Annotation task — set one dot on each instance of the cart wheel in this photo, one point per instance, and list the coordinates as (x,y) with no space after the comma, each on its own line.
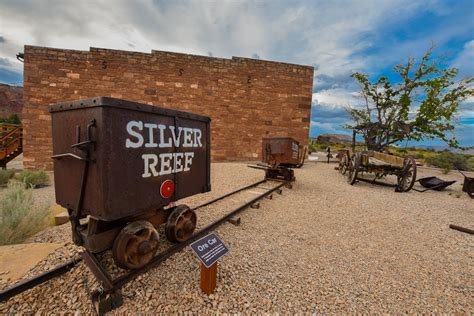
(344,164)
(288,174)
(353,168)
(271,174)
(407,178)
(135,245)
(180,224)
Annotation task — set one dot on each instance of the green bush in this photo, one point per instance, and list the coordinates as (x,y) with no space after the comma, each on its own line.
(419,155)
(470,164)
(5,176)
(12,119)
(33,179)
(448,161)
(19,219)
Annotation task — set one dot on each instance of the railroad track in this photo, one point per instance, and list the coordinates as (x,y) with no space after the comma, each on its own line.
(110,286)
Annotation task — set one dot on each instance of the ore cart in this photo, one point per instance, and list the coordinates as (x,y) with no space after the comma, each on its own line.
(118,168)
(280,155)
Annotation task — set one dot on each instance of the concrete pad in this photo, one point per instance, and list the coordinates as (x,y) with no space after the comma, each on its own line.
(17,260)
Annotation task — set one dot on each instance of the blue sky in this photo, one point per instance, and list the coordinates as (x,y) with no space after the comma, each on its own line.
(337,37)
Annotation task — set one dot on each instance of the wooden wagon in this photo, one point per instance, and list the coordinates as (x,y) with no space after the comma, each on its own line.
(354,164)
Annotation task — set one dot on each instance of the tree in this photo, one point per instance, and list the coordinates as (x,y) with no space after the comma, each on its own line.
(422,105)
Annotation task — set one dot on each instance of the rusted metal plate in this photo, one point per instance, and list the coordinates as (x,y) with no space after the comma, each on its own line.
(144,157)
(280,151)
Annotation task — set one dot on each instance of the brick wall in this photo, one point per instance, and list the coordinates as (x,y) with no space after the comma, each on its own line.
(246,98)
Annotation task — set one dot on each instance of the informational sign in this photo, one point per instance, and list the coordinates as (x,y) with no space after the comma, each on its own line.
(209,249)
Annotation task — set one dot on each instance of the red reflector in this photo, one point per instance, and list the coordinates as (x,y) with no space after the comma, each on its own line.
(167,189)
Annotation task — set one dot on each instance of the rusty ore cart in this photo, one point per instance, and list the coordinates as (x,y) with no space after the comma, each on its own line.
(352,164)
(118,168)
(280,155)
(468,185)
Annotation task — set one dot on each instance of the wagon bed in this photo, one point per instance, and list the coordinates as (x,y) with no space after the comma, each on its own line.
(380,159)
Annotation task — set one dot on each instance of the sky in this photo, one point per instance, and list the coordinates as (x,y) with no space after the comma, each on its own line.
(338,38)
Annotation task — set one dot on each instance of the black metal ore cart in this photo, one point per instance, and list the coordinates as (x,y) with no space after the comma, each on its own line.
(121,165)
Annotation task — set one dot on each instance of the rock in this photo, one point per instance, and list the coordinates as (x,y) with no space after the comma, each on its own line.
(61,218)
(16,260)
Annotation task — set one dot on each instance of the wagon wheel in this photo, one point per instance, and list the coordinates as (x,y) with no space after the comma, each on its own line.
(135,245)
(353,168)
(344,164)
(180,224)
(407,178)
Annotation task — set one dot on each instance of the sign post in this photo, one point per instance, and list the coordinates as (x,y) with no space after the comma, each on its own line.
(208,278)
(209,249)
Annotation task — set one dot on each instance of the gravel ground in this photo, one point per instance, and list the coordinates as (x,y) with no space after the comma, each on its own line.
(324,247)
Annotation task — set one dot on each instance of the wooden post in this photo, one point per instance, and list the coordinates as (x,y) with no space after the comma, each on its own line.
(208,278)
(354,140)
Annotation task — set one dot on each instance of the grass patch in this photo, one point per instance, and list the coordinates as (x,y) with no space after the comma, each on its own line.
(5,176)
(33,179)
(19,218)
(449,161)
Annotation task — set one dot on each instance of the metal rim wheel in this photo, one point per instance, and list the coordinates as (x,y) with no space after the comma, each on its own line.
(135,245)
(180,224)
(344,163)
(271,174)
(407,179)
(353,169)
(288,174)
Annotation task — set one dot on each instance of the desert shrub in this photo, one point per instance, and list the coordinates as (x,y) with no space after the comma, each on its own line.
(12,119)
(5,176)
(470,164)
(419,155)
(447,161)
(33,179)
(19,218)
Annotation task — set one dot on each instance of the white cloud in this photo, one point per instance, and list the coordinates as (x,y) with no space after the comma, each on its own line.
(328,34)
(338,97)
(465,61)
(326,127)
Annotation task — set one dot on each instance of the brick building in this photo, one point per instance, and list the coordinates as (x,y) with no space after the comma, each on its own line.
(246,98)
